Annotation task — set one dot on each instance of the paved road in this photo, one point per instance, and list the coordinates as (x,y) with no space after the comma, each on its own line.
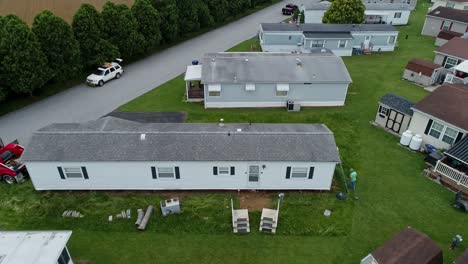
(81,103)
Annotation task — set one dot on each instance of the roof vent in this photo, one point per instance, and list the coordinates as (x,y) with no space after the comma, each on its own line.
(221,122)
(437,12)
(323,50)
(313,75)
(235,78)
(213,59)
(239,130)
(298,62)
(246,60)
(142,137)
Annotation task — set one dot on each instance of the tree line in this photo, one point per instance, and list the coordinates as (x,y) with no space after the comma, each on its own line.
(53,50)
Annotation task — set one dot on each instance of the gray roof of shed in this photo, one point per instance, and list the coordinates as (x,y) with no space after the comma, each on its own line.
(317,27)
(273,67)
(113,139)
(459,150)
(398,103)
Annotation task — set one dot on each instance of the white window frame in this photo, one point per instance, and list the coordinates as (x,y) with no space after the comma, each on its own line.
(281,90)
(224,170)
(214,93)
(250,87)
(450,5)
(384,110)
(465,7)
(214,90)
(393,38)
(345,44)
(446,25)
(172,171)
(452,65)
(316,43)
(451,139)
(73,170)
(297,171)
(397,15)
(439,131)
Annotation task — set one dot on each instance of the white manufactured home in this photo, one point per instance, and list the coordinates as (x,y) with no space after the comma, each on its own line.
(268,79)
(116,154)
(34,247)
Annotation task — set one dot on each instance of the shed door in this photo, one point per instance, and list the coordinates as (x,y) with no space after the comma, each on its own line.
(394,121)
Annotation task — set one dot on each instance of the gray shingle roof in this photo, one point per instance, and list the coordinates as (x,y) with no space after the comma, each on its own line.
(316,27)
(328,35)
(113,139)
(272,67)
(398,103)
(460,150)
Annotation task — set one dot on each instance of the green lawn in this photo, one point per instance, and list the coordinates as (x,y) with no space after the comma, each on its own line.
(393,193)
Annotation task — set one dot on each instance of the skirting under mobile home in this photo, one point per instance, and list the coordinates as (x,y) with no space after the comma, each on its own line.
(114,154)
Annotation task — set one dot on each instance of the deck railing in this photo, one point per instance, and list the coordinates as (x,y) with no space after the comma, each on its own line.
(451,78)
(457,176)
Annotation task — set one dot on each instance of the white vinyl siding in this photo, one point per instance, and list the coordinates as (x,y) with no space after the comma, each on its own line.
(166,172)
(299,172)
(73,173)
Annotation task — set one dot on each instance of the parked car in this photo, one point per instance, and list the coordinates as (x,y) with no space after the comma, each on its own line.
(289,9)
(105,73)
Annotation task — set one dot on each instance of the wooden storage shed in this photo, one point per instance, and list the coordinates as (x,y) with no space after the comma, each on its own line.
(407,247)
(394,113)
(423,72)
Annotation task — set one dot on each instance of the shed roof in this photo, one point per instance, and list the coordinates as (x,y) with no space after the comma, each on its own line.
(113,139)
(447,103)
(193,73)
(424,67)
(398,103)
(459,151)
(450,13)
(318,27)
(32,247)
(272,67)
(448,34)
(457,47)
(408,247)
(463,259)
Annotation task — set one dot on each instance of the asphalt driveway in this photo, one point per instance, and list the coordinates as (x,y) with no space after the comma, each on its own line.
(81,103)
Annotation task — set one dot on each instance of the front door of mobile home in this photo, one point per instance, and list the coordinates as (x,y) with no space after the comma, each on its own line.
(394,121)
(253,174)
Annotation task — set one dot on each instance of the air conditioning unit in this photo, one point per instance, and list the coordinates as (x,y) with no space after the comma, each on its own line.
(293,106)
(170,206)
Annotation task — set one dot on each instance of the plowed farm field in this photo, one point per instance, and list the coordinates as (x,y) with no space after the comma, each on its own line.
(28,9)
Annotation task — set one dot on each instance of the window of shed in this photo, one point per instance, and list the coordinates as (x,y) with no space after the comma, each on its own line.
(397,15)
(383,110)
(73,173)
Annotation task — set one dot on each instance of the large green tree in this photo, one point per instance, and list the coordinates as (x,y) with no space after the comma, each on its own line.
(345,12)
(23,66)
(121,29)
(204,16)
(170,19)
(219,9)
(87,27)
(188,15)
(58,44)
(149,21)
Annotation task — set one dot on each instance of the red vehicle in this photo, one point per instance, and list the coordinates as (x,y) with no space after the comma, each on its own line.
(289,9)
(11,170)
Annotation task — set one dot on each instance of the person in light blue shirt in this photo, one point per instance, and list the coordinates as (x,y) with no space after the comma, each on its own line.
(353,179)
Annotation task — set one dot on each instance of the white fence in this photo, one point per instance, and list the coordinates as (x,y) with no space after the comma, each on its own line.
(459,177)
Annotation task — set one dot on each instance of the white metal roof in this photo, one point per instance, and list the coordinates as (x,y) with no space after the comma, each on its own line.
(194,72)
(376,13)
(463,67)
(32,247)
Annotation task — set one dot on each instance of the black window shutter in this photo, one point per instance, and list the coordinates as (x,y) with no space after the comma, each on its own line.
(233,170)
(311,172)
(215,170)
(445,59)
(288,172)
(85,173)
(177,173)
(380,109)
(60,170)
(459,136)
(428,127)
(153,172)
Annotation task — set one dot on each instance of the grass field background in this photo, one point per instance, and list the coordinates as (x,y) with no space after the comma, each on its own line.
(393,193)
(28,9)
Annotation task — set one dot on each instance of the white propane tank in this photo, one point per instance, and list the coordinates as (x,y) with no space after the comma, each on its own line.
(416,142)
(406,138)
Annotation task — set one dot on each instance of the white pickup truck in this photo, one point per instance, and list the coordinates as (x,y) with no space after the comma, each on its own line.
(106,72)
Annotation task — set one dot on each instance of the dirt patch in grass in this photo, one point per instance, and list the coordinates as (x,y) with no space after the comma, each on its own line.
(255,201)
